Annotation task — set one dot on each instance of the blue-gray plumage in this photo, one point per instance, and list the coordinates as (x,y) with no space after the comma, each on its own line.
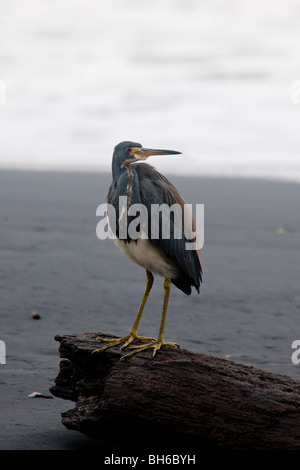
(168,257)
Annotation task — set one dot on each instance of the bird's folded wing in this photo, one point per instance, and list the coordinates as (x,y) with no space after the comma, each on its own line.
(171,230)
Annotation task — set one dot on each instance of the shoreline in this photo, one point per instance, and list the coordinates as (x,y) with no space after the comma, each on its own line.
(211,174)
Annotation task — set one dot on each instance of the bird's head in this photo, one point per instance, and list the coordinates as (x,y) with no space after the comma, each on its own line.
(130,152)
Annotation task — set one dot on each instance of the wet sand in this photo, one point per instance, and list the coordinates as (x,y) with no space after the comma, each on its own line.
(53,263)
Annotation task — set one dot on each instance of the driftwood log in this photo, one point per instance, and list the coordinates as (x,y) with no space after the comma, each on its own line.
(177,401)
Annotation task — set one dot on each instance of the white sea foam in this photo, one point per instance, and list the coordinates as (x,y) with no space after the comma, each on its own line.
(216,80)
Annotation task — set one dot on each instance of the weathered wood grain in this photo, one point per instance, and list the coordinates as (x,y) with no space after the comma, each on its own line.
(178,400)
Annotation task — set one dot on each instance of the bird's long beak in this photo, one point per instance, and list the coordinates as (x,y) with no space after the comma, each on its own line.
(143,153)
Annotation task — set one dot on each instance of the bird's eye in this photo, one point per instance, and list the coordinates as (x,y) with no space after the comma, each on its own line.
(128,149)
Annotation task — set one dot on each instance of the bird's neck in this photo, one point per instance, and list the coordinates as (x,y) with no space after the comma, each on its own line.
(117,170)
(126,180)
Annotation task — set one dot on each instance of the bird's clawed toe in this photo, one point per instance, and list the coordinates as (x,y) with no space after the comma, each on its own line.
(136,338)
(127,340)
(156,345)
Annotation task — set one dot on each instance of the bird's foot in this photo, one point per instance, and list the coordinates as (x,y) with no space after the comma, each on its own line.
(156,345)
(125,339)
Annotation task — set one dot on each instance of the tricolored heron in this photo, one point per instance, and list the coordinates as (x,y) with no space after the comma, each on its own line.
(166,256)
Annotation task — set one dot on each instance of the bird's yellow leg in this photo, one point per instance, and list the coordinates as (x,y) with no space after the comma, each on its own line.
(156,345)
(133,332)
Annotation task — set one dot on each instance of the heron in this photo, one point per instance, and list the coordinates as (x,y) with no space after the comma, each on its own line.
(167,257)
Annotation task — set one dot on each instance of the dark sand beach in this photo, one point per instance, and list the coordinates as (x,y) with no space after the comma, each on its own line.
(53,263)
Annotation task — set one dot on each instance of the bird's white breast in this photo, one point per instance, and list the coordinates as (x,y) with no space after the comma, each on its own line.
(150,257)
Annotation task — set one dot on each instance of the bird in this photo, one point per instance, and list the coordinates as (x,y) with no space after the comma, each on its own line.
(141,184)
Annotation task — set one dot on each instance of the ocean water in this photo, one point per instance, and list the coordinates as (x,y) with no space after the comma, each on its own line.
(217,80)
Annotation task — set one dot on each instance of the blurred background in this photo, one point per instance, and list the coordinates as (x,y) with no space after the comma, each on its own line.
(217,80)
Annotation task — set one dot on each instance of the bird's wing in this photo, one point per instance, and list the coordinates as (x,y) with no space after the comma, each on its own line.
(156,190)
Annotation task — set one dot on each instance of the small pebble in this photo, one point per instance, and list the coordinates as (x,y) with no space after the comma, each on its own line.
(35,315)
(39,395)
